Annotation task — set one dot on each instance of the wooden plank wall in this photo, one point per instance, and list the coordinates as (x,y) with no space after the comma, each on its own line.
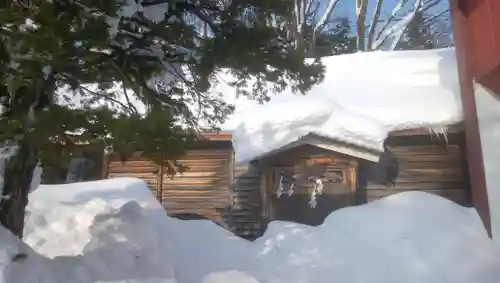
(217,189)
(201,192)
(247,205)
(204,189)
(135,167)
(426,163)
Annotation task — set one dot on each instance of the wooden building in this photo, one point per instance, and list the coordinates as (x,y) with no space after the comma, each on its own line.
(244,198)
(414,160)
(201,191)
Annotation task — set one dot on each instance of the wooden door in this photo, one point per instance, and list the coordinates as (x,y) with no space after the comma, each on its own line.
(339,185)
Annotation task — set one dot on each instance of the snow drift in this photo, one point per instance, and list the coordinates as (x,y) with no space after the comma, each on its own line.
(376,91)
(408,237)
(104,231)
(115,231)
(122,248)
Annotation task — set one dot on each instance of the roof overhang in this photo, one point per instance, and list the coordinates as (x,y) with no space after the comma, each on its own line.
(217,136)
(327,144)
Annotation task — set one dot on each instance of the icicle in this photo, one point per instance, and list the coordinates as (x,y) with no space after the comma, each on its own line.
(317,190)
(292,186)
(290,189)
(280,187)
(319,186)
(312,201)
(441,131)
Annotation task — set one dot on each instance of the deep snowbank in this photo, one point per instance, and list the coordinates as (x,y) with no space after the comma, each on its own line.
(377,91)
(100,220)
(123,247)
(409,237)
(105,231)
(58,217)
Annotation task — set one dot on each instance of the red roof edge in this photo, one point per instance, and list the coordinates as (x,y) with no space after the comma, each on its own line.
(218,136)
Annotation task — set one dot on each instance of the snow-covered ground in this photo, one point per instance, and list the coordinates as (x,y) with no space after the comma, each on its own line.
(115,231)
(107,231)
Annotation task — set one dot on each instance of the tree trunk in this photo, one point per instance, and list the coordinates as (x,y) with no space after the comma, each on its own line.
(17,180)
(361,6)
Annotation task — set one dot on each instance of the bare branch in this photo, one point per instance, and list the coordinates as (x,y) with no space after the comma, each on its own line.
(430,4)
(321,23)
(434,17)
(373,24)
(405,23)
(391,18)
(308,7)
(396,31)
(299,24)
(314,11)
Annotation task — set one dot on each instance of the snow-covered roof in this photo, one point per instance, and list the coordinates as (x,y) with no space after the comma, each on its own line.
(362,98)
(328,144)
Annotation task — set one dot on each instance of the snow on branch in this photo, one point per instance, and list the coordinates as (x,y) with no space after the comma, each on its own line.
(324,18)
(373,24)
(396,31)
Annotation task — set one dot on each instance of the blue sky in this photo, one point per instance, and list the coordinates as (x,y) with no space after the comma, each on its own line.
(346,8)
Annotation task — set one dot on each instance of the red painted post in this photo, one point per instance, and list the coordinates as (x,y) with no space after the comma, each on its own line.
(473,141)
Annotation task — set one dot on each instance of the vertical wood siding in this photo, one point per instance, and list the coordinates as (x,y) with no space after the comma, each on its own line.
(138,168)
(201,192)
(247,205)
(426,163)
(203,189)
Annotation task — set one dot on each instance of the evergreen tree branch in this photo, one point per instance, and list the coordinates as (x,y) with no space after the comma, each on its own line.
(108,98)
(124,77)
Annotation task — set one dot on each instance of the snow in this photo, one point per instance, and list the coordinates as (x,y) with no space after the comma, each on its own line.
(409,237)
(71,208)
(363,97)
(115,231)
(105,231)
(377,92)
(274,127)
